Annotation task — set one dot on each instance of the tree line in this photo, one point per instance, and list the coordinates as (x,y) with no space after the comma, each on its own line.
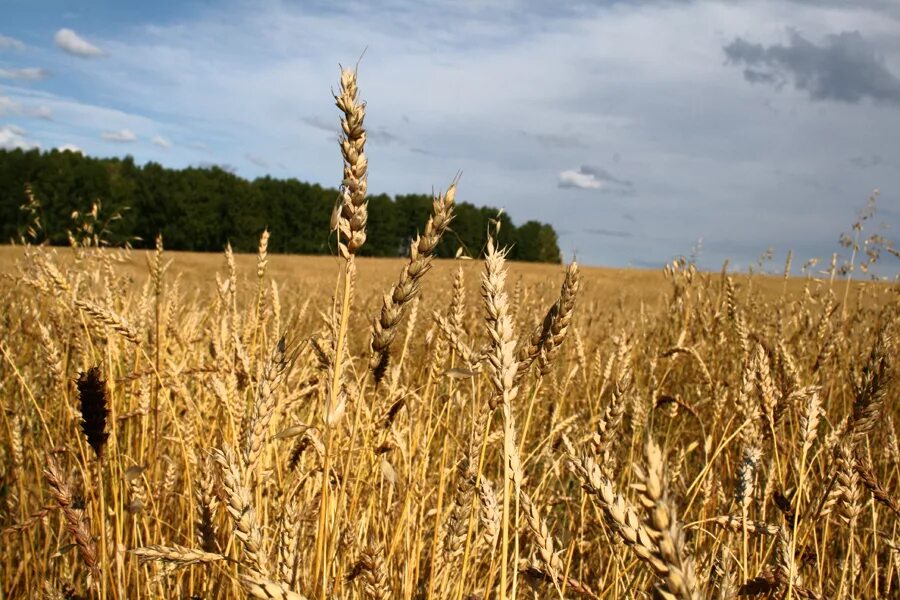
(203,208)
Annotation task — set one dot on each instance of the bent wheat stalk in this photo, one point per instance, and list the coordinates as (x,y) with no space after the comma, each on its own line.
(421,250)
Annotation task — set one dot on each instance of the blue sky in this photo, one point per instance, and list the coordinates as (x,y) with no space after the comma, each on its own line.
(635,128)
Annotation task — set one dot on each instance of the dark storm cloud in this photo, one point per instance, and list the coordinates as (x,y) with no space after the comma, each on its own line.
(845,67)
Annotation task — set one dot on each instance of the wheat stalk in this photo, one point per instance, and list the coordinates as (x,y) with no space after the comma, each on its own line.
(421,250)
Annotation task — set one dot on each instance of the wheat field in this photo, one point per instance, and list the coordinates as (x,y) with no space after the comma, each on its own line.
(187,426)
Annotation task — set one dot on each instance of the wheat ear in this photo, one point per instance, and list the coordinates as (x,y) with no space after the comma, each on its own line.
(76,523)
(421,251)
(351,211)
(239,503)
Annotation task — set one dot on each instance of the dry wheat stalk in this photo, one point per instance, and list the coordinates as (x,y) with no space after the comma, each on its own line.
(207,504)
(722,578)
(535,573)
(870,480)
(609,427)
(455,528)
(560,316)
(490,513)
(351,212)
(109,318)
(258,586)
(737,318)
(288,552)
(263,409)
(745,484)
(421,249)
(454,337)
(663,525)
(871,389)
(738,524)
(809,419)
(621,515)
(503,365)
(32,520)
(239,503)
(176,555)
(76,522)
(502,373)
(547,337)
(543,538)
(370,565)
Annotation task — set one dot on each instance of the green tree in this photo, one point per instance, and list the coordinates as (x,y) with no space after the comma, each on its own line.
(205,208)
(536,242)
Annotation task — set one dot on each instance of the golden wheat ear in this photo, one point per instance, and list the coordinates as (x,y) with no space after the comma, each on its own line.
(351,211)
(421,252)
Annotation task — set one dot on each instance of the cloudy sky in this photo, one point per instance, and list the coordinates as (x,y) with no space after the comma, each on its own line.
(635,128)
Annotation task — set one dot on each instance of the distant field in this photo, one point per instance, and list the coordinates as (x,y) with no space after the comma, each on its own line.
(316,275)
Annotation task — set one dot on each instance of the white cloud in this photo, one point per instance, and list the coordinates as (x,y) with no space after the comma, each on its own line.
(61,120)
(12,138)
(84,117)
(41,112)
(588,177)
(122,135)
(70,148)
(71,42)
(579,179)
(10,42)
(8,107)
(28,73)
(162,142)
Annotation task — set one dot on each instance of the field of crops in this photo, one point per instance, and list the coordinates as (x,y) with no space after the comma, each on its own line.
(197,426)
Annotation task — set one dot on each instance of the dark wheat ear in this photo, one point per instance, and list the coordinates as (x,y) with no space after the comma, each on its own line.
(92,396)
